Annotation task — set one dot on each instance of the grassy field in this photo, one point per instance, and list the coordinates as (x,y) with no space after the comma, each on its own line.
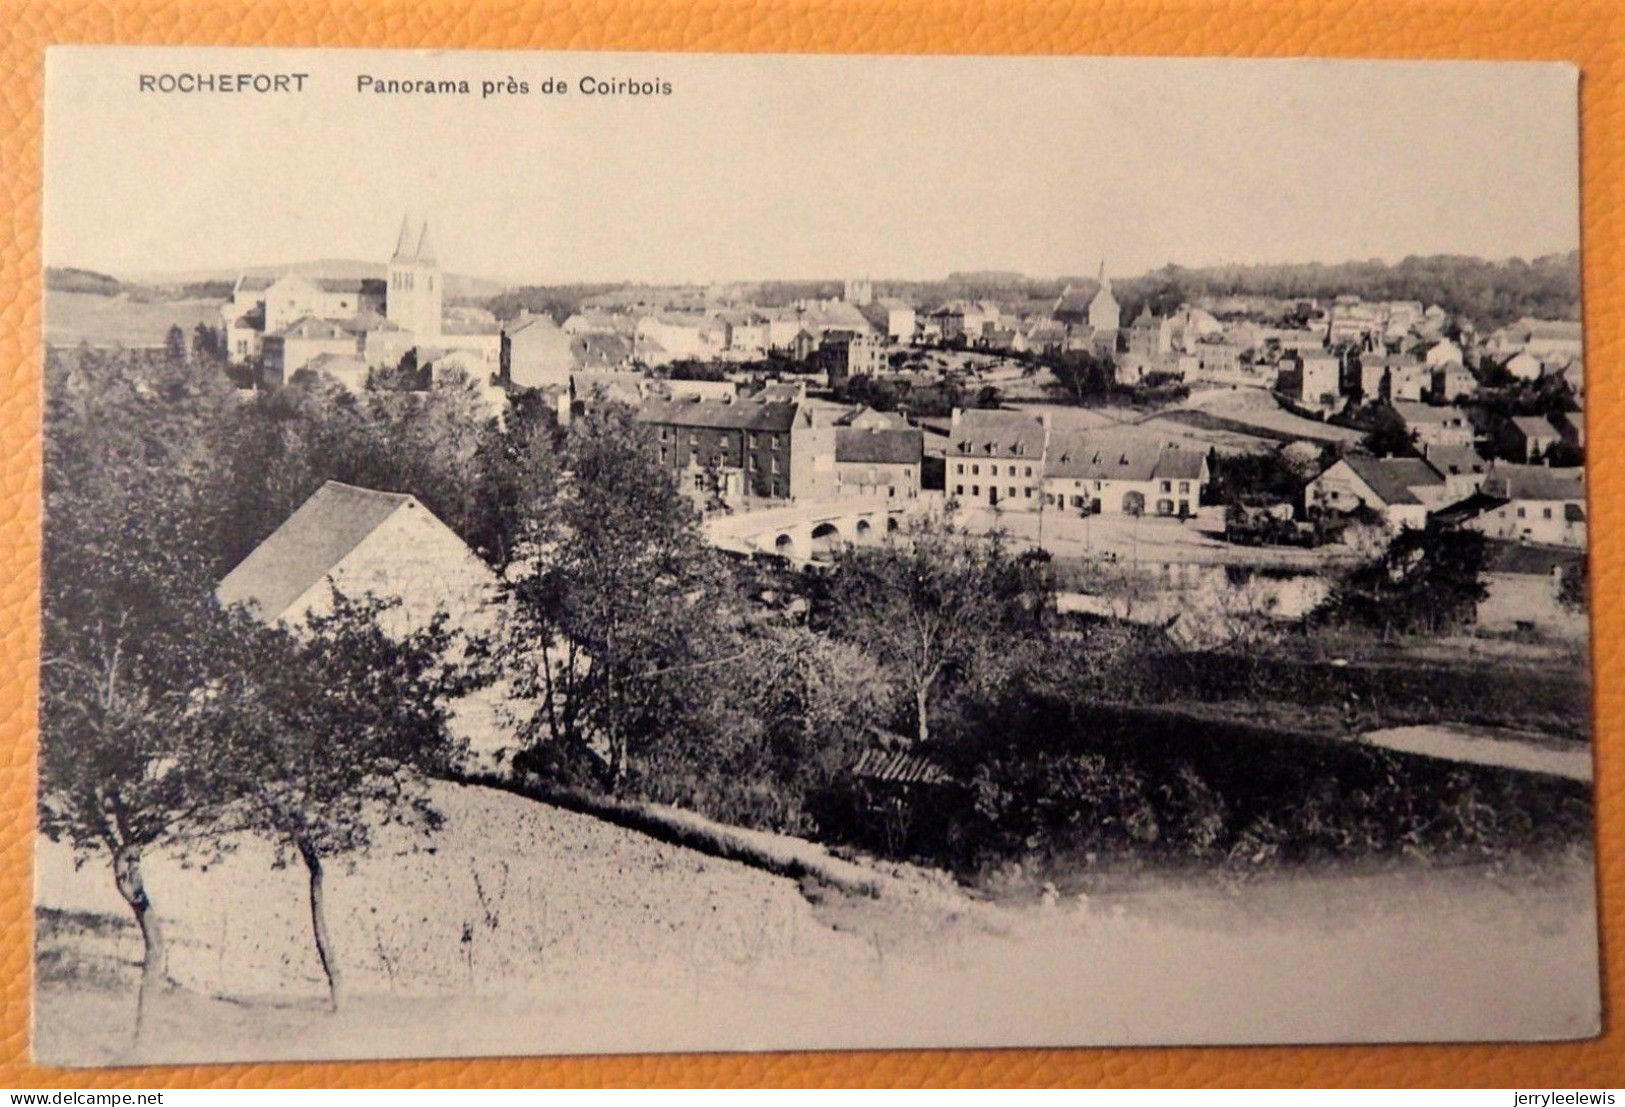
(75,317)
(528,929)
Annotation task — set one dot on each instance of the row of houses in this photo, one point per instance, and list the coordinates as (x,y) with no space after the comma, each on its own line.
(1525,504)
(1018,461)
(776,445)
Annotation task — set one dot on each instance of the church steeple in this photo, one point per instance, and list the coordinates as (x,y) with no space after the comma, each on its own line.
(413,301)
(403,241)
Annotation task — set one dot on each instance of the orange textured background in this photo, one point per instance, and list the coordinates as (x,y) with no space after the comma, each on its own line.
(1590,34)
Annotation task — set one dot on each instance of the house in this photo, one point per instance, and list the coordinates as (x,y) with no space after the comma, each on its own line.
(665,337)
(360,541)
(997,458)
(1523,585)
(290,349)
(293,297)
(1435,426)
(589,389)
(1119,474)
(1442,352)
(1312,377)
(1401,490)
(1150,337)
(1538,337)
(1529,437)
(1535,504)
(1410,380)
(746,334)
(879,461)
(749,448)
(593,321)
(1451,382)
(537,353)
(1523,366)
(847,354)
(893,318)
(347,370)
(1462,467)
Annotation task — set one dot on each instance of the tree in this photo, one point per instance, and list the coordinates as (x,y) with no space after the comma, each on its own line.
(1573,587)
(1387,435)
(1081,374)
(618,604)
(1426,581)
(129,627)
(329,733)
(175,344)
(934,606)
(208,344)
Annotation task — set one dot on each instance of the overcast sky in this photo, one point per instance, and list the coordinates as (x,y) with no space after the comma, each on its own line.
(800,167)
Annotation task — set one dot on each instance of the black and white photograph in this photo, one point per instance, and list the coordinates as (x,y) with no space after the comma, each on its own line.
(580,553)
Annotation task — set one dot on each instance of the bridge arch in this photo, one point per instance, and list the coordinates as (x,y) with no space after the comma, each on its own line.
(826,538)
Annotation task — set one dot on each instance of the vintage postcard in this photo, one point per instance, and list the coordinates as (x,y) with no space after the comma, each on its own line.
(563,553)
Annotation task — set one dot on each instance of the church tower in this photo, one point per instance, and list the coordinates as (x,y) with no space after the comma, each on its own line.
(413,302)
(1105,314)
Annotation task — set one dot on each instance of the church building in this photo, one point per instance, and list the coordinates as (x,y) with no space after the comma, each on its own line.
(290,321)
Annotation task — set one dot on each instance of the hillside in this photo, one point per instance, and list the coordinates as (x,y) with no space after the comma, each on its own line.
(524,928)
(101,320)
(457,285)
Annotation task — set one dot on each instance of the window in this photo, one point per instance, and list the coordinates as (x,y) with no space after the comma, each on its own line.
(1184,486)
(1520,513)
(1029,471)
(959,489)
(1011,492)
(1012,470)
(959,468)
(975,490)
(1546,513)
(1028,492)
(1167,486)
(975,470)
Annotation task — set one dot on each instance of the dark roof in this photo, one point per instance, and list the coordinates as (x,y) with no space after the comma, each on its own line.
(1105,457)
(311,327)
(373,285)
(1455,461)
(307,546)
(1518,557)
(1472,507)
(997,434)
(1535,482)
(1533,426)
(1413,412)
(748,414)
(879,447)
(1392,478)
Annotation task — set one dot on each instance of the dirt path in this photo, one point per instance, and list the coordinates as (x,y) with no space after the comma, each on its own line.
(1483,746)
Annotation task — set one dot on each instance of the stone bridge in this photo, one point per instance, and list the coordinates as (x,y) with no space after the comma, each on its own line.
(810,531)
